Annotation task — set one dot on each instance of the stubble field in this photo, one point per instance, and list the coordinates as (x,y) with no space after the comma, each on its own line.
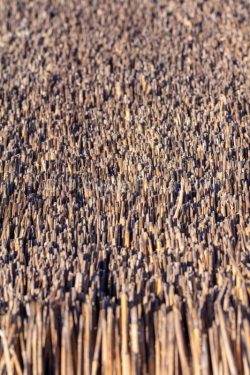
(124,187)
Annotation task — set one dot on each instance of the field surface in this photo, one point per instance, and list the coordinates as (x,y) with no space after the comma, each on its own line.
(124,187)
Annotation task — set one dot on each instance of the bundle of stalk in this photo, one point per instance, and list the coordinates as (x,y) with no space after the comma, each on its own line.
(124,187)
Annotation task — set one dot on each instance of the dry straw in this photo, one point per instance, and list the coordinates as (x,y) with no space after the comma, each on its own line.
(124,187)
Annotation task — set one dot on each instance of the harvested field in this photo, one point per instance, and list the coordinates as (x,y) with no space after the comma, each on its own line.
(124,187)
